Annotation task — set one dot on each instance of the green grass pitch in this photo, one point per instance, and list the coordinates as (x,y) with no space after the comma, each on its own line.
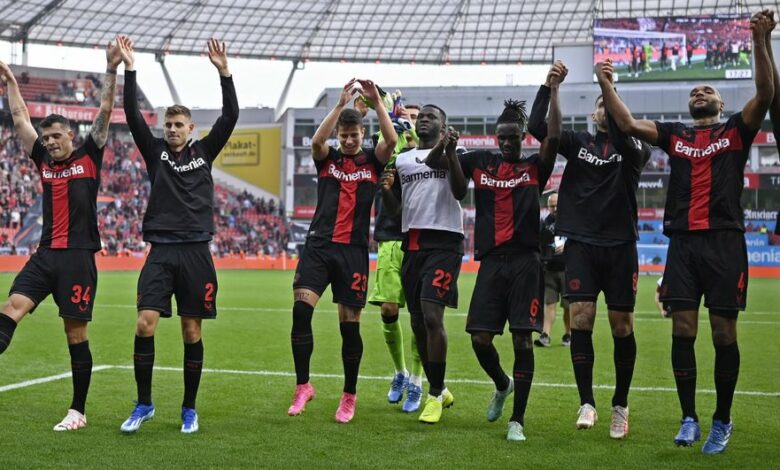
(244,398)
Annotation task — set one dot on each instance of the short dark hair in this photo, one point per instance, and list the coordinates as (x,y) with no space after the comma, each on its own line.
(349,117)
(598,98)
(178,109)
(412,106)
(441,112)
(514,113)
(52,119)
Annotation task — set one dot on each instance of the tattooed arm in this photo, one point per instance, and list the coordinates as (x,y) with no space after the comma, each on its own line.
(99,131)
(22,123)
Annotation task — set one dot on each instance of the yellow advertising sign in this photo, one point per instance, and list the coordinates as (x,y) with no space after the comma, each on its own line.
(254,155)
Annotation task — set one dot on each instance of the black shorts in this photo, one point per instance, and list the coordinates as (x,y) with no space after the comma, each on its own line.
(185,270)
(591,269)
(430,275)
(709,263)
(69,275)
(344,267)
(507,288)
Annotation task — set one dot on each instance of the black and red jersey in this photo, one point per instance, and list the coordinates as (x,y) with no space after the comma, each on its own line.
(707,174)
(506,194)
(70,189)
(597,196)
(181,202)
(346,186)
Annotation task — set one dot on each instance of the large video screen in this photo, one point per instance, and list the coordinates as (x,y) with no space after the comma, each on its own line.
(714,47)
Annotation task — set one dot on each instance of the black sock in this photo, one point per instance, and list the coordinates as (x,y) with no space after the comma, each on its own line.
(193,366)
(302,340)
(81,370)
(351,353)
(489,360)
(726,374)
(582,360)
(143,363)
(624,355)
(684,367)
(523,373)
(435,373)
(389,320)
(7,327)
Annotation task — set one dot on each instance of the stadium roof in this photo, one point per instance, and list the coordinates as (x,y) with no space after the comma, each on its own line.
(395,31)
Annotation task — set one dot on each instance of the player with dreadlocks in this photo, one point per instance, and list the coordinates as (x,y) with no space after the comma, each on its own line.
(507,186)
(597,213)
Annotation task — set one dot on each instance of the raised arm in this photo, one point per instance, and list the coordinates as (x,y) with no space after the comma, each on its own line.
(639,128)
(549,148)
(221,130)
(774,108)
(755,109)
(142,135)
(436,158)
(22,123)
(458,183)
(99,130)
(319,143)
(537,126)
(386,146)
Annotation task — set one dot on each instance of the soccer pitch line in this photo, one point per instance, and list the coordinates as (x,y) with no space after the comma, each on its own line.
(641,313)
(43,380)
(271,373)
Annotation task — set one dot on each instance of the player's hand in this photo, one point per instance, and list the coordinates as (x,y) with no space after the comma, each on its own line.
(6,75)
(125,46)
(556,74)
(113,55)
(348,92)
(370,91)
(451,139)
(559,249)
(387,179)
(761,24)
(605,71)
(218,56)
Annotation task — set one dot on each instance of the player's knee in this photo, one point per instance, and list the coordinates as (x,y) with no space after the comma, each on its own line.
(582,321)
(389,310)
(522,341)
(15,307)
(302,315)
(622,325)
(76,335)
(190,329)
(481,341)
(145,325)
(433,322)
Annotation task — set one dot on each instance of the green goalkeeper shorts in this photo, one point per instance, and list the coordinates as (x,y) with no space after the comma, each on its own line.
(387,285)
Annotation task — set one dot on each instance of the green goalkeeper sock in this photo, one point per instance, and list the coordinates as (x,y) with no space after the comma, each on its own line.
(394,339)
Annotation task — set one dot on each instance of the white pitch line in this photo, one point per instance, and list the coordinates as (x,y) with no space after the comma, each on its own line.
(271,373)
(43,380)
(450,314)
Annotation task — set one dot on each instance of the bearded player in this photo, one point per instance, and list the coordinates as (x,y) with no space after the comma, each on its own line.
(704,221)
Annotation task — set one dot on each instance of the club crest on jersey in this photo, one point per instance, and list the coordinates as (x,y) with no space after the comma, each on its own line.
(192,165)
